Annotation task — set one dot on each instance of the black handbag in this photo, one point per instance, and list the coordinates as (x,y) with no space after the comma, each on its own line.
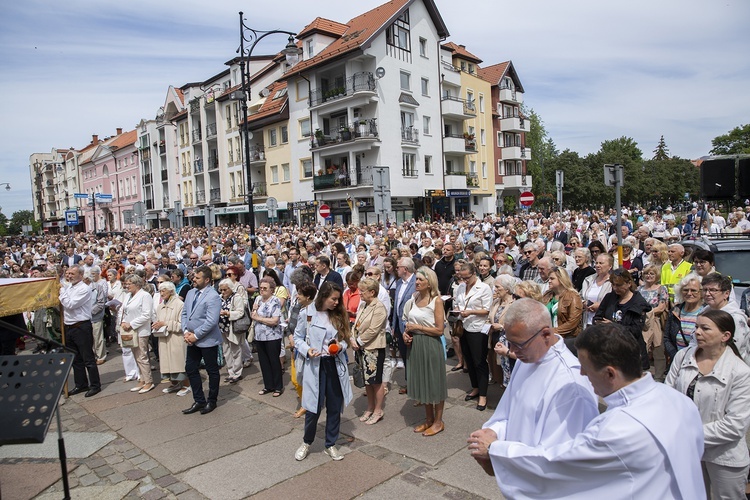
(358,372)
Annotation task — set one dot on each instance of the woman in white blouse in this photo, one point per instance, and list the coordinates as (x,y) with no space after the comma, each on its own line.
(135,319)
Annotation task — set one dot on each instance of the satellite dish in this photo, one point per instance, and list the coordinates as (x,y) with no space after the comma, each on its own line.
(265,92)
(380,72)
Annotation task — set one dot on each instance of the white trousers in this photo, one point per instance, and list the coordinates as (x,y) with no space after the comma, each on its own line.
(724,482)
(128,362)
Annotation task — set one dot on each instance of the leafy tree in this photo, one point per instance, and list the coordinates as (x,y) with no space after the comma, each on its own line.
(21,218)
(736,141)
(661,152)
(623,151)
(580,189)
(3,224)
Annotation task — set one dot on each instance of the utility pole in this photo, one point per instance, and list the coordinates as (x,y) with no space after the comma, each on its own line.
(559,175)
(613,176)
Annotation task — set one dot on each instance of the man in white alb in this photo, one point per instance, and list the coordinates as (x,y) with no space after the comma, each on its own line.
(648,444)
(547,400)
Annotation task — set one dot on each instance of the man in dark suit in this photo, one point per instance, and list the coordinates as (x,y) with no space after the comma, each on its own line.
(70,258)
(200,325)
(404,291)
(325,273)
(560,234)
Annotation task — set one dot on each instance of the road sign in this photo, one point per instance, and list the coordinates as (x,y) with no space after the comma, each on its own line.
(139,208)
(324,211)
(103,198)
(71,217)
(527,198)
(81,196)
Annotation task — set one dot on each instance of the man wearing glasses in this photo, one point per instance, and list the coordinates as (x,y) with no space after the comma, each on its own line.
(547,401)
(530,271)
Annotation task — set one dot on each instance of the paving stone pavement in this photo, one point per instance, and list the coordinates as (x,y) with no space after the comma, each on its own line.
(246,448)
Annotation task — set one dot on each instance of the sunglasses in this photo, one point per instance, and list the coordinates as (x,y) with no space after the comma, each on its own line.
(231,274)
(369,274)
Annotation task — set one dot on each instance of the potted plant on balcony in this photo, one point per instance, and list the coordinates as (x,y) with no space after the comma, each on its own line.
(345,133)
(319,137)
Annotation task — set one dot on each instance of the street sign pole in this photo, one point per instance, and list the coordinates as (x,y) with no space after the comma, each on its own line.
(559,176)
(613,176)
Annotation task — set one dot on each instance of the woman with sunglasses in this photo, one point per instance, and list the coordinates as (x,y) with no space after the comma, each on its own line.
(626,307)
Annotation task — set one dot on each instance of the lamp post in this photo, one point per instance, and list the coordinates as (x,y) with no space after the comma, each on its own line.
(292,52)
(39,190)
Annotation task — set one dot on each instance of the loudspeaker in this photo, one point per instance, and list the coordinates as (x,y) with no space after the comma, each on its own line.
(744,178)
(718,179)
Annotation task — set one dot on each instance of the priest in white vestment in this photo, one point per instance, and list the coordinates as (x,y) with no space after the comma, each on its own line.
(547,400)
(647,445)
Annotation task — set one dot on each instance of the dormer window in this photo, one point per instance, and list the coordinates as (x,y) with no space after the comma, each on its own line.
(398,33)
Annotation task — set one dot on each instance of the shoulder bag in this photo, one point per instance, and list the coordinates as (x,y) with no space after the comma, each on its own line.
(241,326)
(358,372)
(251,328)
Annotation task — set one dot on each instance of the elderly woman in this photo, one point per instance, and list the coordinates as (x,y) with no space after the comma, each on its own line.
(266,314)
(528,290)
(714,376)
(596,286)
(369,332)
(135,320)
(471,304)
(582,256)
(657,297)
(172,346)
(501,359)
(679,330)
(233,304)
(424,322)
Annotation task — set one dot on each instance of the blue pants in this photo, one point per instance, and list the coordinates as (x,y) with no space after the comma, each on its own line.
(329,391)
(192,364)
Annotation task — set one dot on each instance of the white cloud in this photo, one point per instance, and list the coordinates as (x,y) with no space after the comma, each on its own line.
(593,70)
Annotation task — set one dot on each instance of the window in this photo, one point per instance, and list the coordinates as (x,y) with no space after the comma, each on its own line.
(307,168)
(310,52)
(405,81)
(422,47)
(284,134)
(397,34)
(425,87)
(481,103)
(409,164)
(483,137)
(470,97)
(484,169)
(272,137)
(463,65)
(274,174)
(285,172)
(473,167)
(499,166)
(304,127)
(471,69)
(426,125)
(428,164)
(228,113)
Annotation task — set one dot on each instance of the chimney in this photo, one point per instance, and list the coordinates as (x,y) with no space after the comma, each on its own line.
(94,139)
(119,130)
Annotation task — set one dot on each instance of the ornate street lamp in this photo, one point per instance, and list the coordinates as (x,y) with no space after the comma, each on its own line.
(292,53)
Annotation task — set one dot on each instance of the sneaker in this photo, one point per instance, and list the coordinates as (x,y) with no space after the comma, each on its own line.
(399,365)
(333,452)
(248,363)
(302,452)
(184,391)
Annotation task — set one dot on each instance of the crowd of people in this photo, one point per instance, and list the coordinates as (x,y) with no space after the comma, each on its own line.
(540,305)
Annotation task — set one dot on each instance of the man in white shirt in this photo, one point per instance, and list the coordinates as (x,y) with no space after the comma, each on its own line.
(75,297)
(632,450)
(547,400)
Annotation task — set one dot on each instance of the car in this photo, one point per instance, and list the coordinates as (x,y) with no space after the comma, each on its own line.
(731,255)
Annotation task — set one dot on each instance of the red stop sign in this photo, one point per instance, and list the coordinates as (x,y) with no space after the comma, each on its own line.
(324,211)
(527,198)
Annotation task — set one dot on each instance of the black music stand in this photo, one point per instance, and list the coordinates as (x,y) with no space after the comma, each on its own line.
(30,390)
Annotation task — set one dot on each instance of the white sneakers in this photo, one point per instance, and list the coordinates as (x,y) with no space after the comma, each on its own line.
(302,452)
(184,391)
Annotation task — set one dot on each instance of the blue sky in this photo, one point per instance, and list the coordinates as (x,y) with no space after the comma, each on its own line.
(593,70)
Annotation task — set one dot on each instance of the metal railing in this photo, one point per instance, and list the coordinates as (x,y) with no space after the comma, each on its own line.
(257,153)
(469,106)
(196,135)
(200,196)
(409,135)
(215,194)
(210,130)
(164,174)
(472,179)
(259,189)
(358,82)
(360,129)
(198,165)
(165,202)
(213,162)
(359,176)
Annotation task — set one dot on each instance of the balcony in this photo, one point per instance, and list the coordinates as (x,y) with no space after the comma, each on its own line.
(147,179)
(145,154)
(359,176)
(260,189)
(164,174)
(451,74)
(516,153)
(165,202)
(409,136)
(510,95)
(50,199)
(363,132)
(198,166)
(358,83)
(200,197)
(162,149)
(462,144)
(257,154)
(409,171)
(517,181)
(195,105)
(455,179)
(472,180)
(213,163)
(211,131)
(215,195)
(514,124)
(149,204)
(196,135)
(457,108)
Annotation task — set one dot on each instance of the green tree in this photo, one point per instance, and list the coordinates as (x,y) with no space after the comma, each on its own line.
(669,180)
(623,151)
(580,189)
(662,151)
(736,141)
(3,224)
(21,218)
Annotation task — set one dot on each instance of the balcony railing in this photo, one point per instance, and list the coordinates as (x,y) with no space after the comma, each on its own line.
(469,106)
(210,130)
(149,204)
(457,170)
(257,153)
(198,165)
(360,129)
(409,171)
(409,135)
(145,154)
(200,196)
(162,150)
(164,175)
(259,189)
(358,82)
(213,163)
(359,176)
(196,135)
(165,202)
(195,105)
(472,179)
(215,194)
(147,179)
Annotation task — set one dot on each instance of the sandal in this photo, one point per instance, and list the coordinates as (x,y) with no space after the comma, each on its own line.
(431,432)
(365,416)
(299,413)
(375,418)
(276,394)
(423,427)
(263,392)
